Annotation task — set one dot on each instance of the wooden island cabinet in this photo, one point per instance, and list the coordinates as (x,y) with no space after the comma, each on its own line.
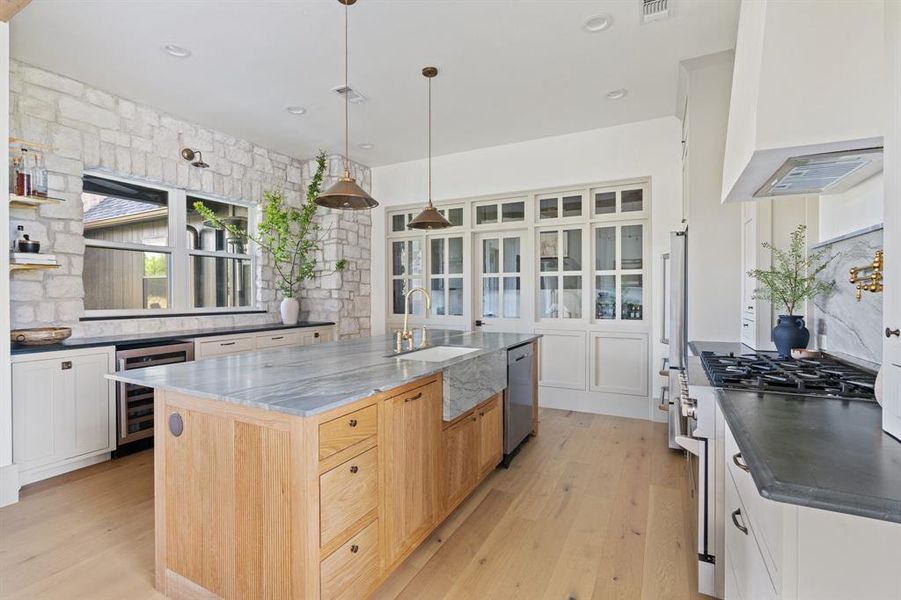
(254,504)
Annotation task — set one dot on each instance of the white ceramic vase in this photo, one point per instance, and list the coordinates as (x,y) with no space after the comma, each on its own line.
(290,310)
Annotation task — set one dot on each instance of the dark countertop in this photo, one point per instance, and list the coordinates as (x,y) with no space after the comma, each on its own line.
(138,339)
(736,348)
(818,452)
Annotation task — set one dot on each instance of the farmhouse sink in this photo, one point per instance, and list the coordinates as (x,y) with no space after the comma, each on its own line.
(437,353)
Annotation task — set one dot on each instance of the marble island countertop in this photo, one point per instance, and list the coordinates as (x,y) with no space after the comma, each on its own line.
(309,380)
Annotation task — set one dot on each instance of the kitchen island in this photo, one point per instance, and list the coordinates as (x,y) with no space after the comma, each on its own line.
(312,472)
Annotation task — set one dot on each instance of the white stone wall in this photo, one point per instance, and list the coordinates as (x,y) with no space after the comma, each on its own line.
(89,129)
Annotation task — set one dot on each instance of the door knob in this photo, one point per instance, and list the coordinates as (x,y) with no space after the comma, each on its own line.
(889,332)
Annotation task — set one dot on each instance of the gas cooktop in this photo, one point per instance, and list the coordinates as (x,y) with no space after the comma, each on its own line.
(822,376)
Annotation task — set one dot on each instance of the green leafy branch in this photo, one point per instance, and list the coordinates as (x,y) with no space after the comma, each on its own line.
(793,278)
(289,235)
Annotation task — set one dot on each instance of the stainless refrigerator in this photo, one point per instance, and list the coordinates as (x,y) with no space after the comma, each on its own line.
(676,330)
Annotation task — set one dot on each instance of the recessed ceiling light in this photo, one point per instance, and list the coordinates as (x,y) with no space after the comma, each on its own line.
(598,23)
(296,110)
(617,94)
(367,146)
(177,51)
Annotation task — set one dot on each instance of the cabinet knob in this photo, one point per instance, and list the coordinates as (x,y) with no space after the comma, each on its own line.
(352,423)
(316,334)
(354,468)
(889,332)
(176,424)
(354,548)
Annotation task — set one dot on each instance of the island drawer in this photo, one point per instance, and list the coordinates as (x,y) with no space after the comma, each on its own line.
(351,570)
(343,432)
(347,493)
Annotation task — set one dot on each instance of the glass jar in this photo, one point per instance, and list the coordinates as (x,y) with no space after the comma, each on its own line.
(24,185)
(39,175)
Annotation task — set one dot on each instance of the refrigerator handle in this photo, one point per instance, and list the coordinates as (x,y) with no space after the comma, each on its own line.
(664,305)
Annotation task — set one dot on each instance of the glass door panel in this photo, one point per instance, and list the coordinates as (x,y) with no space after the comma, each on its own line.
(500,295)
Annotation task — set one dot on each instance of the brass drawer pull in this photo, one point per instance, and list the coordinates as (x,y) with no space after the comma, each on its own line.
(354,549)
(735,514)
(354,468)
(740,463)
(411,398)
(352,423)
(278,337)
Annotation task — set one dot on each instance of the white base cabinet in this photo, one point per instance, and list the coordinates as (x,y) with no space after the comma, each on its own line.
(63,410)
(777,550)
(225,345)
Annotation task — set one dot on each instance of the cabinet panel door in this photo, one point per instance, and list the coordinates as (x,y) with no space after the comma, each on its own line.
(87,407)
(412,438)
(491,435)
(619,363)
(33,389)
(461,459)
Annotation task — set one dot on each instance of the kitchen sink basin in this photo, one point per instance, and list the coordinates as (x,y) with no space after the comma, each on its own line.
(437,353)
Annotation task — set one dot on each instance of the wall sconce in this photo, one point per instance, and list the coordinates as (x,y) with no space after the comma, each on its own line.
(191,155)
(871,282)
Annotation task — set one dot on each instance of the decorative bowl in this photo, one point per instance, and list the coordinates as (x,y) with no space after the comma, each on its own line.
(39,336)
(799,353)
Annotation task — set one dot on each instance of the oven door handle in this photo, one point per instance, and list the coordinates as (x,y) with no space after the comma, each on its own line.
(691,444)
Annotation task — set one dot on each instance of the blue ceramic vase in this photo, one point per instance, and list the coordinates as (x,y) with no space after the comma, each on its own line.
(790,333)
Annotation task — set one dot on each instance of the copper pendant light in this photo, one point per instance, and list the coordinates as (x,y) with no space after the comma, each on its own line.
(345,194)
(429,218)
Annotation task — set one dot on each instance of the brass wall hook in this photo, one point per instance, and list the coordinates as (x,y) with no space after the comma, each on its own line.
(871,282)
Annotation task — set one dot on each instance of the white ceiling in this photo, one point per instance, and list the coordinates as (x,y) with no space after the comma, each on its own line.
(511,70)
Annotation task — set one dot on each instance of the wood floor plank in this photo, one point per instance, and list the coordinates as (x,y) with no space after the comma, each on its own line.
(594,507)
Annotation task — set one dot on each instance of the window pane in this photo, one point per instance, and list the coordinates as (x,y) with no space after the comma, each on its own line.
(124,212)
(398,258)
(632,297)
(572,297)
(486,214)
(605,203)
(632,247)
(117,279)
(572,250)
(455,216)
(455,296)
(414,254)
(605,302)
(605,248)
(202,235)
(490,256)
(397,296)
(547,297)
(397,223)
(437,257)
(547,208)
(455,255)
(572,206)
(490,293)
(511,255)
(437,291)
(417,300)
(511,297)
(632,200)
(219,282)
(547,244)
(513,211)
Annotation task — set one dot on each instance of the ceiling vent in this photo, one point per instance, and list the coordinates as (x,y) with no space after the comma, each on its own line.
(828,173)
(654,10)
(353,96)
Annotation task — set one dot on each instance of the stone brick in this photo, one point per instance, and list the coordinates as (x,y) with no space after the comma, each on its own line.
(64,242)
(25,291)
(123,159)
(70,310)
(101,99)
(66,141)
(29,105)
(115,137)
(76,110)
(51,80)
(23,314)
(45,312)
(126,109)
(64,286)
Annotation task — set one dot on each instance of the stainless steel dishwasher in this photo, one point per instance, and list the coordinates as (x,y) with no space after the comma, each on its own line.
(517,400)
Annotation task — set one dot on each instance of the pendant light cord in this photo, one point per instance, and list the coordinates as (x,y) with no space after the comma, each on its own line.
(430,141)
(346,102)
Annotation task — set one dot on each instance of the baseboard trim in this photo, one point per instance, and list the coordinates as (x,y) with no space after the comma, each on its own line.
(9,484)
(52,470)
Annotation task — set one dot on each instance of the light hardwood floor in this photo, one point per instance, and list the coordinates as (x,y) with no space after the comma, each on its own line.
(594,507)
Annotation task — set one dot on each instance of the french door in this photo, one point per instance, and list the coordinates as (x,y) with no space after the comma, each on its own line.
(503,299)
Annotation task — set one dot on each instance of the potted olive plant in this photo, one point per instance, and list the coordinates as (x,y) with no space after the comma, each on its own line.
(290,236)
(791,281)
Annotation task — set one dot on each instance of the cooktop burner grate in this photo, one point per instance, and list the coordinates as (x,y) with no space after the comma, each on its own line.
(768,372)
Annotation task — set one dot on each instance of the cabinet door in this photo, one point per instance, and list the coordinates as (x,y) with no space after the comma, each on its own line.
(461,459)
(491,435)
(34,386)
(748,259)
(412,437)
(84,406)
(891,350)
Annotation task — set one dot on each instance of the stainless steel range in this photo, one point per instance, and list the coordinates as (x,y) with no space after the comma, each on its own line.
(767,372)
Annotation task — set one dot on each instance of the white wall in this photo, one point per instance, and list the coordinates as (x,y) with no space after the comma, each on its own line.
(9,488)
(852,210)
(644,149)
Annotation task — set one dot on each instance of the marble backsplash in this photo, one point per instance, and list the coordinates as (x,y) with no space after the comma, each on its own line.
(844,325)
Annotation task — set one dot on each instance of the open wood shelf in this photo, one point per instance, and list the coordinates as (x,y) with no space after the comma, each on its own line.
(16,201)
(31,266)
